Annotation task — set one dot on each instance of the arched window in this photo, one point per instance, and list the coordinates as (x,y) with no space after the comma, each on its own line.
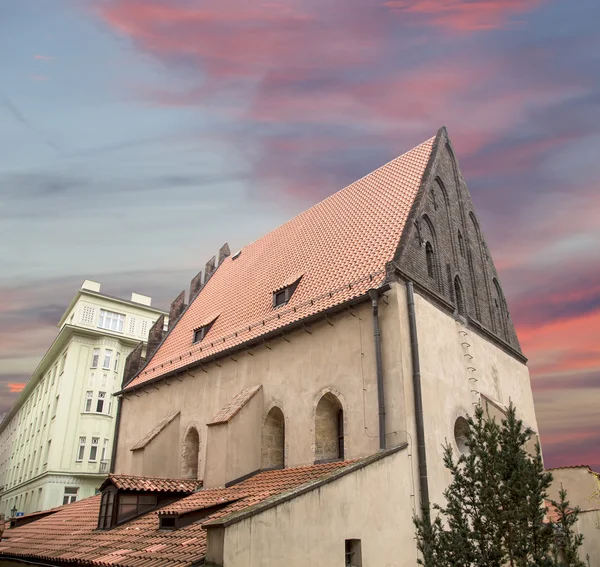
(461,430)
(329,429)
(461,244)
(458,296)
(273,440)
(430,260)
(191,450)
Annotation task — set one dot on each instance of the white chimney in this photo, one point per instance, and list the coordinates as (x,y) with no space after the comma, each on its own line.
(142,299)
(91,286)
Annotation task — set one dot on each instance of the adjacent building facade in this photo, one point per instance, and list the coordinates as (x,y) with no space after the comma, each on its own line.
(56,441)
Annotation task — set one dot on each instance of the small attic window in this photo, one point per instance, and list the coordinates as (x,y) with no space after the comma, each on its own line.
(201,332)
(167,522)
(283,296)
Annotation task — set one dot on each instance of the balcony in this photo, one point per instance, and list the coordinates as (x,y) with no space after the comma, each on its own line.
(105,465)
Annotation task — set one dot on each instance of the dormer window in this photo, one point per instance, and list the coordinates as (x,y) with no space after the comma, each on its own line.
(282,296)
(201,332)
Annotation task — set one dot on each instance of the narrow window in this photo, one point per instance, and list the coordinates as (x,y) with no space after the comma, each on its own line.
(132,325)
(430,260)
(117,357)
(329,429)
(55,406)
(94,449)
(106,509)
(461,431)
(353,553)
(273,440)
(88,401)
(95,358)
(80,451)
(107,357)
(461,244)
(70,495)
(191,452)
(100,402)
(104,450)
(63,361)
(458,295)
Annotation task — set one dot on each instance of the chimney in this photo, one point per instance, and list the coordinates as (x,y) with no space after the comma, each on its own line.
(209,269)
(133,364)
(142,299)
(223,253)
(195,285)
(155,335)
(91,286)
(176,309)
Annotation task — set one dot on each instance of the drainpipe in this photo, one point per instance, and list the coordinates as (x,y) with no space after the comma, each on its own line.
(374,295)
(414,348)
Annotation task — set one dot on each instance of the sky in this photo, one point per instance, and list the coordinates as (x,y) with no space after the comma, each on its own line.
(136,137)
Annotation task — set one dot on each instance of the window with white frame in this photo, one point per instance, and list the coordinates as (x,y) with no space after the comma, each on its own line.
(107,359)
(117,357)
(81,450)
(100,403)
(88,401)
(95,358)
(63,361)
(94,449)
(104,449)
(70,495)
(111,321)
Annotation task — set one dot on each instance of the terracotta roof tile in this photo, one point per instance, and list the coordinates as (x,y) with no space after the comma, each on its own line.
(235,405)
(70,533)
(341,246)
(154,432)
(152,484)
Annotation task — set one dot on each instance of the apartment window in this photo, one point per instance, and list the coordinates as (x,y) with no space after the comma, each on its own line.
(63,361)
(70,495)
(104,379)
(144,331)
(91,379)
(104,449)
(132,325)
(54,374)
(111,321)
(100,402)
(107,357)
(94,449)
(88,401)
(95,358)
(81,450)
(117,357)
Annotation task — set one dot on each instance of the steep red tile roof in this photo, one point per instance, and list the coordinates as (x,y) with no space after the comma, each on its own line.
(154,432)
(152,484)
(235,405)
(70,533)
(340,247)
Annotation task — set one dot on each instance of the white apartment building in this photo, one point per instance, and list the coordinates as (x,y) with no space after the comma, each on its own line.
(56,441)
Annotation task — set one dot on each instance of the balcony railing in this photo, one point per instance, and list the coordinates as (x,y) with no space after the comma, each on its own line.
(105,465)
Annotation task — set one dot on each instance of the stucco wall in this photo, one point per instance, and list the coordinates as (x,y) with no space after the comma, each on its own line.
(445,380)
(588,524)
(336,356)
(372,504)
(579,484)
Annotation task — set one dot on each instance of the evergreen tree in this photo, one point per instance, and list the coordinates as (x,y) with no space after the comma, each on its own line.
(567,543)
(494,512)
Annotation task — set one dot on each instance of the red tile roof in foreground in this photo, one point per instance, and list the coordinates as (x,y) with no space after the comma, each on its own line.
(152,483)
(70,533)
(340,247)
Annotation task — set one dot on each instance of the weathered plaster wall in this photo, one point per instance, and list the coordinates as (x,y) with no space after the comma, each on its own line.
(588,524)
(335,356)
(372,504)
(579,484)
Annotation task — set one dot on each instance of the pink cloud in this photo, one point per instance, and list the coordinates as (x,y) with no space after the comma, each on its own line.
(463,15)
(43,57)
(15,387)
(39,77)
